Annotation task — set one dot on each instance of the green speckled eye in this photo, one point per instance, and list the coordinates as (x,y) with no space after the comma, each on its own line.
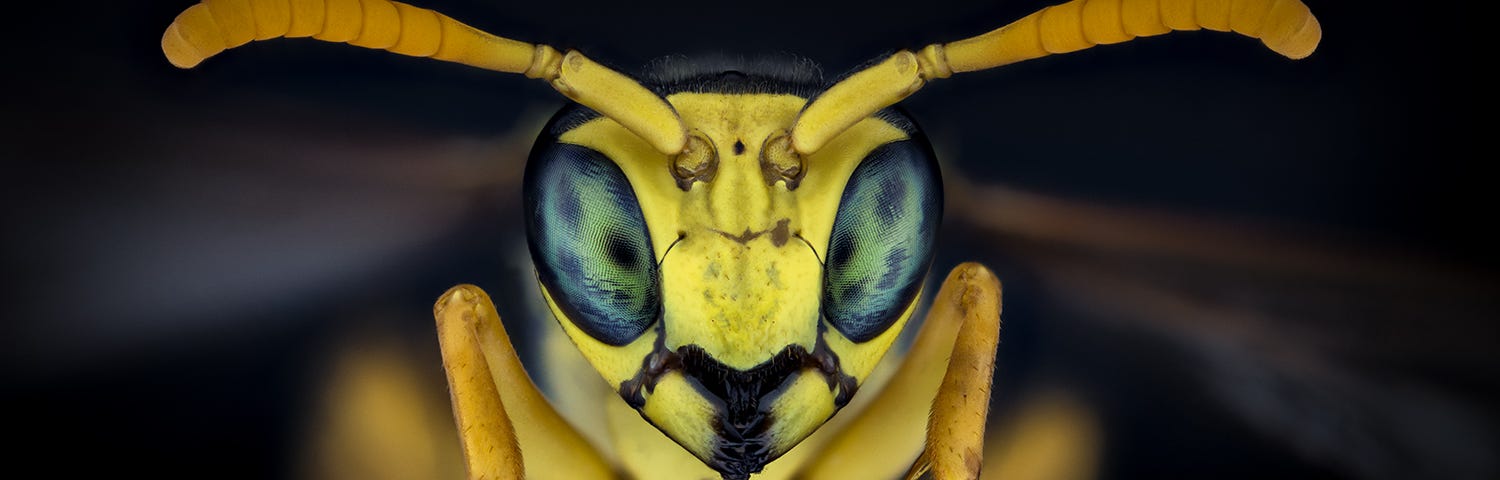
(882,240)
(590,243)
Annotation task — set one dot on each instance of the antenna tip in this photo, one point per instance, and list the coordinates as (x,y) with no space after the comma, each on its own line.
(1291,30)
(192,37)
(177,49)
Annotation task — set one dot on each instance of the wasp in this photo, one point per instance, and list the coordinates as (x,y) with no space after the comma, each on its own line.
(732,252)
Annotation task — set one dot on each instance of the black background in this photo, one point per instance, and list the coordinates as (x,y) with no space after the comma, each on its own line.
(182,247)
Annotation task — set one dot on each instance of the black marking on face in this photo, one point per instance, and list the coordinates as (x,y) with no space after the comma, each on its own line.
(743,397)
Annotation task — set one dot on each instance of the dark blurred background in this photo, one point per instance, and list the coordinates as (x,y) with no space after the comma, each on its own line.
(1244,266)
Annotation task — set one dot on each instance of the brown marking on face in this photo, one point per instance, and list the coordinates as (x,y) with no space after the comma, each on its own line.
(780,234)
(742,238)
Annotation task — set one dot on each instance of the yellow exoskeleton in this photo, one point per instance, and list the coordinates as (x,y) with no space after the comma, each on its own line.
(733,252)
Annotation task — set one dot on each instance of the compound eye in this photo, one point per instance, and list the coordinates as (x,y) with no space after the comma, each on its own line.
(882,241)
(590,243)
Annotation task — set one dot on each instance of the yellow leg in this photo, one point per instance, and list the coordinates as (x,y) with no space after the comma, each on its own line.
(955,430)
(506,427)
(933,410)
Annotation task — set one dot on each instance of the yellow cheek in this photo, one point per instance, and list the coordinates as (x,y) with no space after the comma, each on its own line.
(859,359)
(615,364)
(799,410)
(676,407)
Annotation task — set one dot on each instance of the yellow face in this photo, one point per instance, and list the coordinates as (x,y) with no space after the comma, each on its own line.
(735,298)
